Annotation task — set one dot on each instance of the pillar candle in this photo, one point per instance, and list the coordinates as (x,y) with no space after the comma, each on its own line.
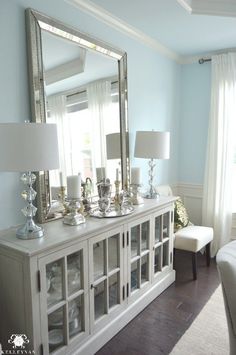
(117,174)
(101,173)
(61,177)
(74,186)
(135,176)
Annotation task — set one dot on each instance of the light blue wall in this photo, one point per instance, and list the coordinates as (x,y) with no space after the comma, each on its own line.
(153,86)
(154,100)
(194,119)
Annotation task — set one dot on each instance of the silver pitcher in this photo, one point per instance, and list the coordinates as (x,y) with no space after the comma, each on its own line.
(104,193)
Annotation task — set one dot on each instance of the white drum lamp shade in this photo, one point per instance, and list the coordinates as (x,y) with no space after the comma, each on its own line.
(152,145)
(28,147)
(113,146)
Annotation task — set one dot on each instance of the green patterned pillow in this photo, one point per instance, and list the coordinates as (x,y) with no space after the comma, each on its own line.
(181,218)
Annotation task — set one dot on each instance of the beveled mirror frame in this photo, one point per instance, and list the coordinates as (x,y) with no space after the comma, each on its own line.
(35,23)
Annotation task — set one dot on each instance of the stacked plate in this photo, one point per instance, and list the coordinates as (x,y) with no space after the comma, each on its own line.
(55,323)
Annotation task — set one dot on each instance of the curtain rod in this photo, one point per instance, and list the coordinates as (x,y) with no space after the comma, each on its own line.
(202,60)
(83,91)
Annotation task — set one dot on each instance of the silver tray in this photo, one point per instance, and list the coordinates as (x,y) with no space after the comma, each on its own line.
(111,213)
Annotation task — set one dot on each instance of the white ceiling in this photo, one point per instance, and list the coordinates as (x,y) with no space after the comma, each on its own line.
(67,66)
(177,27)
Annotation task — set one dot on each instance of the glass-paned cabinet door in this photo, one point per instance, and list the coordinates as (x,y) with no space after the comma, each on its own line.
(55,281)
(134,240)
(139,255)
(166,217)
(163,225)
(64,297)
(106,275)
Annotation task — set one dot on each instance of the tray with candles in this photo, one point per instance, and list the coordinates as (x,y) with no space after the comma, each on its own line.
(112,212)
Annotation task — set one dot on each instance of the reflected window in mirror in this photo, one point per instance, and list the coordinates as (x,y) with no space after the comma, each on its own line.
(81,134)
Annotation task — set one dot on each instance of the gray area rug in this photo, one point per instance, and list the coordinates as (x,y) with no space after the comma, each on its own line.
(208,334)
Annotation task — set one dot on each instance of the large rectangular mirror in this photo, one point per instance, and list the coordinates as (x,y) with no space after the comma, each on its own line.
(80,83)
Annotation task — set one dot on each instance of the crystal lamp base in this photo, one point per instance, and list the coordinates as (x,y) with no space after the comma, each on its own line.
(152,195)
(30,231)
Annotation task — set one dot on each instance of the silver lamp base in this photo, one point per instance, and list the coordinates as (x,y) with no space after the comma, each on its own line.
(30,231)
(152,195)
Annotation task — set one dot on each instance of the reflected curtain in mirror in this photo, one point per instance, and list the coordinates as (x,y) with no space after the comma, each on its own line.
(82,131)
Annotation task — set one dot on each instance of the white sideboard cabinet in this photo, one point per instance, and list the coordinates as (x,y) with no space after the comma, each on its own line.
(74,289)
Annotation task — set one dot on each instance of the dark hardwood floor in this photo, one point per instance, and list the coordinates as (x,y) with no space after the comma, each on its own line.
(159,326)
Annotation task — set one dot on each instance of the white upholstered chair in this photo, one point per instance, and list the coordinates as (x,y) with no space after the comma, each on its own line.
(190,238)
(226,263)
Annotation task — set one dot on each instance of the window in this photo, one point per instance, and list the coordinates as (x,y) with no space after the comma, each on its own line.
(82,144)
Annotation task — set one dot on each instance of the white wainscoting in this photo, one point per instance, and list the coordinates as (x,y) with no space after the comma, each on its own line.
(234,226)
(191,195)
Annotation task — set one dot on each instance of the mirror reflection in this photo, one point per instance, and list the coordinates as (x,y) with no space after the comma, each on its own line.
(82,98)
(79,83)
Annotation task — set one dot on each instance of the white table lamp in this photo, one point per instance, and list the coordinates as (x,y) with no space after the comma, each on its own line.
(27,147)
(152,145)
(113,146)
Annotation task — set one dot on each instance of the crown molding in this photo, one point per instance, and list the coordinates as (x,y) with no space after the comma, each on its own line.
(106,17)
(65,70)
(109,19)
(186,4)
(210,7)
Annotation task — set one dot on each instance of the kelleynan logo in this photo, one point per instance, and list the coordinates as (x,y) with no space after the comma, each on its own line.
(18,342)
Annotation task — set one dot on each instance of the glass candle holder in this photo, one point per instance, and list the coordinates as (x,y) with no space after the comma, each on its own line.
(136,198)
(74,218)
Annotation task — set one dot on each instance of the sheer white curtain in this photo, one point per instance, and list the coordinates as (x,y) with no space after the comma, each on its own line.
(99,102)
(217,204)
(57,108)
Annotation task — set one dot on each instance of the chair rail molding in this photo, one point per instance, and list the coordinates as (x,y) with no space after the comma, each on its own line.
(191,190)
